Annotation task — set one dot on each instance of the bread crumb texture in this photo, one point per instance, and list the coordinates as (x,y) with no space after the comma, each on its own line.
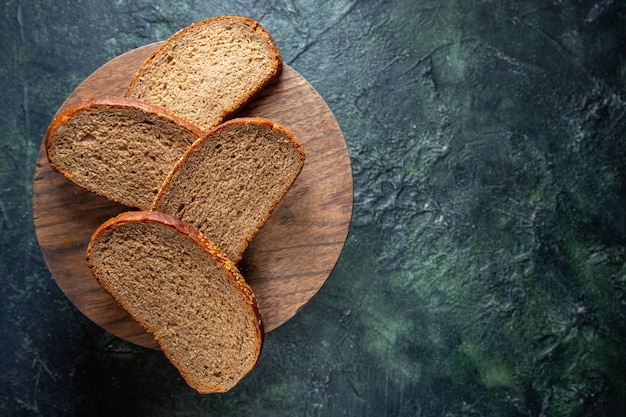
(199,309)
(208,70)
(120,152)
(228,183)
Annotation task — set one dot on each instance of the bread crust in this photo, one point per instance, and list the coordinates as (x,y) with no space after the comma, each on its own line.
(112,102)
(191,233)
(212,133)
(255,26)
(108,102)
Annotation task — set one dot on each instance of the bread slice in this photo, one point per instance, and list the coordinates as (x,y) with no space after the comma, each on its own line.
(209,70)
(118,147)
(228,183)
(181,288)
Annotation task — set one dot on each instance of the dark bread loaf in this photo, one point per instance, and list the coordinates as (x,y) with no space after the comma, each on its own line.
(208,70)
(181,288)
(118,147)
(228,183)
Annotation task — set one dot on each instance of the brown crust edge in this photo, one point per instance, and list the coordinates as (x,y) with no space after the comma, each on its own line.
(210,134)
(187,230)
(254,25)
(116,102)
(111,102)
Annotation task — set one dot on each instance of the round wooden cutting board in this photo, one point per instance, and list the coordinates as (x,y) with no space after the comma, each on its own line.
(286,263)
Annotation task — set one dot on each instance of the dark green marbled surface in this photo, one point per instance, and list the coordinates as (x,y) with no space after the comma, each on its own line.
(484,273)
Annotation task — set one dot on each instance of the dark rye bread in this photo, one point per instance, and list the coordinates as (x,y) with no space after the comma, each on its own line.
(181,288)
(118,147)
(228,183)
(209,70)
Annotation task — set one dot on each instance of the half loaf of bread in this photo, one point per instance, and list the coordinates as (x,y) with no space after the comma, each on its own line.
(209,70)
(118,147)
(229,182)
(181,288)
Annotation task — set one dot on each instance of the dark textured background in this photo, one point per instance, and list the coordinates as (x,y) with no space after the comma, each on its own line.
(484,273)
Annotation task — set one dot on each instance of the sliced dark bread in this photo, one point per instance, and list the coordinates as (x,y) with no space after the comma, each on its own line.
(209,70)
(228,183)
(118,147)
(181,288)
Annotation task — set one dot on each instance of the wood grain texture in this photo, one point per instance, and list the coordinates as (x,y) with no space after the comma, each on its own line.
(287,262)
